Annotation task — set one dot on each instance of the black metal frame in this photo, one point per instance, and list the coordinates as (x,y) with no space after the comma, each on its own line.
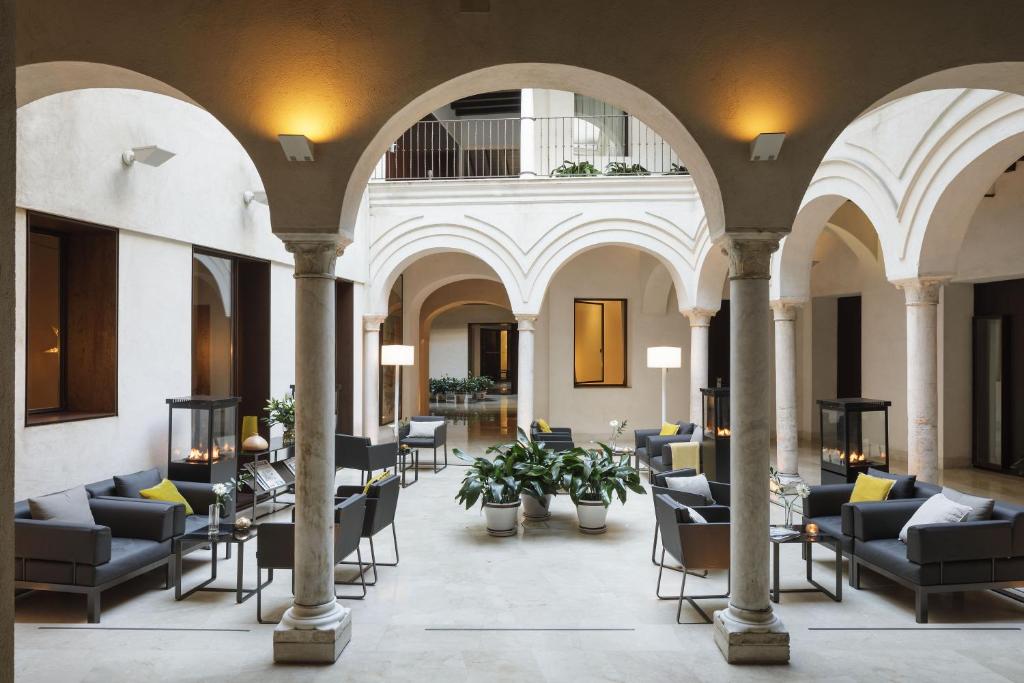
(692,599)
(413,456)
(209,404)
(92,593)
(807,552)
(847,473)
(180,550)
(363,567)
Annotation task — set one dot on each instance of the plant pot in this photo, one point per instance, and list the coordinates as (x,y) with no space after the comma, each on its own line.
(536,510)
(592,515)
(502,518)
(479,395)
(288,438)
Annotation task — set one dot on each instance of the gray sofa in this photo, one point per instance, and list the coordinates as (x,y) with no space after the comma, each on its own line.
(559,438)
(129,538)
(650,445)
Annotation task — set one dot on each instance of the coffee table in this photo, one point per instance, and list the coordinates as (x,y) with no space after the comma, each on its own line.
(807,541)
(227,534)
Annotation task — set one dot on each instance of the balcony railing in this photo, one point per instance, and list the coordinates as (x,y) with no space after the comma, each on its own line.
(565,146)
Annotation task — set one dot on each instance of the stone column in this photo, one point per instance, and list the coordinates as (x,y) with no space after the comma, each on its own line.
(524,399)
(371,375)
(700,321)
(315,629)
(748,630)
(922,377)
(527,136)
(786,455)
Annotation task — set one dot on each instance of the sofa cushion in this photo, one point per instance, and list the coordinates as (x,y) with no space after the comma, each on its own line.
(904,486)
(981,508)
(129,485)
(832,525)
(687,515)
(868,488)
(67,506)
(697,435)
(126,555)
(543,426)
(422,429)
(697,485)
(668,429)
(936,510)
(891,555)
(166,491)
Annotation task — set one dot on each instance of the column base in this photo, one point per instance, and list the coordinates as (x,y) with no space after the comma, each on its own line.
(751,643)
(320,644)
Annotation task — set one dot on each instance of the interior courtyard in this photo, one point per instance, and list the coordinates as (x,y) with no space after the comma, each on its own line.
(373,341)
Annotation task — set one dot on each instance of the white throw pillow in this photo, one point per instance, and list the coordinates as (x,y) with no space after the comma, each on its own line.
(695,517)
(697,436)
(697,485)
(936,510)
(423,429)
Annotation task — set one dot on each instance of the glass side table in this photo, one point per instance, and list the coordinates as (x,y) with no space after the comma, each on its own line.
(409,458)
(227,534)
(798,535)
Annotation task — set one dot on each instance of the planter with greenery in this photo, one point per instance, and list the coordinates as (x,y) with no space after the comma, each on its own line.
(496,483)
(479,385)
(593,479)
(622,168)
(535,467)
(578,168)
(281,411)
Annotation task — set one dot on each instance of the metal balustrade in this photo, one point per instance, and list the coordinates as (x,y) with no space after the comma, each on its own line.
(561,146)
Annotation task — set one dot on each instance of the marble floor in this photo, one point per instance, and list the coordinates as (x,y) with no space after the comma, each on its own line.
(550,604)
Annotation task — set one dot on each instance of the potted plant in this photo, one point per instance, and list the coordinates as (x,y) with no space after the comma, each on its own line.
(622,168)
(570,169)
(281,411)
(481,385)
(464,386)
(496,484)
(592,478)
(534,466)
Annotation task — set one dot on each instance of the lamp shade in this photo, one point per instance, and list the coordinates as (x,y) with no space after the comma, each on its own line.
(664,357)
(396,354)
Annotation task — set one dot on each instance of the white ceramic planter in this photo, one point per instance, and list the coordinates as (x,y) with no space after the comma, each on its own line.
(536,510)
(592,515)
(502,518)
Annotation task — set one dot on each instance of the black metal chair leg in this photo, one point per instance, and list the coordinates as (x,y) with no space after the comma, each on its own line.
(362,580)
(259,594)
(92,607)
(921,606)
(394,536)
(169,574)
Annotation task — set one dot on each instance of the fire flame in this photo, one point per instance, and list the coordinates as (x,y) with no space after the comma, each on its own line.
(723,431)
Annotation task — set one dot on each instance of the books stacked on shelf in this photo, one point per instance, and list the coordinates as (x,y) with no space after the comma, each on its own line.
(265,476)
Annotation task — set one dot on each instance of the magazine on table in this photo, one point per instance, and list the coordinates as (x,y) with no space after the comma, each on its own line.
(269,477)
(781,533)
(290,464)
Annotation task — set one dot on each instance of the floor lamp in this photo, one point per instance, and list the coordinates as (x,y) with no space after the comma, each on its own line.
(664,357)
(396,355)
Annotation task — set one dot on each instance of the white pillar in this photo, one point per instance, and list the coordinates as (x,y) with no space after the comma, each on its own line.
(527,136)
(922,377)
(700,321)
(371,375)
(524,398)
(316,628)
(786,454)
(748,631)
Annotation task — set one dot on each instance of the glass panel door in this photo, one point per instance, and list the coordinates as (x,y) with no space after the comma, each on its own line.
(990,397)
(213,325)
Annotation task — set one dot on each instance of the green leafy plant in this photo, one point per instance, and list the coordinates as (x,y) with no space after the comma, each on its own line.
(622,168)
(678,169)
(479,383)
(281,411)
(535,465)
(496,480)
(596,475)
(579,168)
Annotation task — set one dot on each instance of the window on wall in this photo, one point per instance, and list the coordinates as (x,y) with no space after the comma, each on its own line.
(599,342)
(71,321)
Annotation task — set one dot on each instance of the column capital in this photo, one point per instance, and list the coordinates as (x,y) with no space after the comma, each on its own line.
(372,323)
(922,291)
(699,317)
(750,254)
(786,309)
(315,255)
(526,322)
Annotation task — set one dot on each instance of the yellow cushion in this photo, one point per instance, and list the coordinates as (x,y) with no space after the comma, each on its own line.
(166,491)
(868,488)
(383,475)
(543,426)
(668,429)
(685,455)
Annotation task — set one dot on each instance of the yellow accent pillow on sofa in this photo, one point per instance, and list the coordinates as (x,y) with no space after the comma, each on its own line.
(168,492)
(668,429)
(868,488)
(543,426)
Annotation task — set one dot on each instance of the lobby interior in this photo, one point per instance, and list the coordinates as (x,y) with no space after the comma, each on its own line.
(362,208)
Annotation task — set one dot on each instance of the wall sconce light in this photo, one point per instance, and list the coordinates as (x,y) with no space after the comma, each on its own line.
(250,196)
(766,146)
(150,155)
(296,147)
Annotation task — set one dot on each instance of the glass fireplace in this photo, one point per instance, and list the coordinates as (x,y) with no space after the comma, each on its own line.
(202,440)
(854,437)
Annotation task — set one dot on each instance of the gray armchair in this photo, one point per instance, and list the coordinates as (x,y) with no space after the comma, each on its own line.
(694,545)
(356,452)
(381,507)
(129,538)
(559,438)
(438,440)
(659,485)
(649,444)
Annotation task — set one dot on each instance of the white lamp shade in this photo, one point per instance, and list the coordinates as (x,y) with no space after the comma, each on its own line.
(664,357)
(396,354)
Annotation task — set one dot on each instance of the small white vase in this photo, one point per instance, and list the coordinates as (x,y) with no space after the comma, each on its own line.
(593,516)
(536,510)
(502,518)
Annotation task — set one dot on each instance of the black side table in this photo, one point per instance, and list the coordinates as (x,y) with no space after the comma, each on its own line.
(808,541)
(227,534)
(409,458)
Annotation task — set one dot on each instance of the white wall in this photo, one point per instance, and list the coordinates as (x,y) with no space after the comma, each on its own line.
(449,337)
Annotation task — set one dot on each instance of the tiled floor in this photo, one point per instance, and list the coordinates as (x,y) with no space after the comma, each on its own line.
(547,605)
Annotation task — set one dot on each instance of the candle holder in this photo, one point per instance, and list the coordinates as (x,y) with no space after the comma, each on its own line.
(811,529)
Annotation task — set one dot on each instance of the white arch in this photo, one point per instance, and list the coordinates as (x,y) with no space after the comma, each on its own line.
(711,272)
(612,90)
(657,289)
(39,80)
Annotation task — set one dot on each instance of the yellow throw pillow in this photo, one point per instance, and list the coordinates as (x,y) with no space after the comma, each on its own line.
(168,492)
(868,488)
(543,426)
(668,429)
(380,477)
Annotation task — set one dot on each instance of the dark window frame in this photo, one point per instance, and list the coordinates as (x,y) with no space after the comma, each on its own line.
(625,343)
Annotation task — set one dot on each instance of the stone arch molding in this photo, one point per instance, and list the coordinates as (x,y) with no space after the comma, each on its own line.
(608,88)
(917,167)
